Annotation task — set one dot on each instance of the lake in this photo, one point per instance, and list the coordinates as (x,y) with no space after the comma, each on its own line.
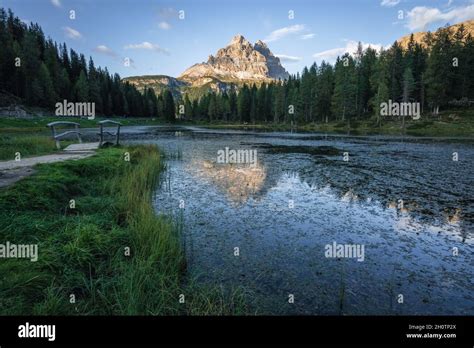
(273,227)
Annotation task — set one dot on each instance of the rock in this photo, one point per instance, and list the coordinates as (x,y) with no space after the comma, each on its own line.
(157,82)
(14,111)
(421,36)
(239,60)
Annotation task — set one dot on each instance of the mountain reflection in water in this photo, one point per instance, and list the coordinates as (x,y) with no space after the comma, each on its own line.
(407,203)
(239,182)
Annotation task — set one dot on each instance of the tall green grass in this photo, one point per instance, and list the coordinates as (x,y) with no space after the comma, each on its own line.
(82,250)
(26,145)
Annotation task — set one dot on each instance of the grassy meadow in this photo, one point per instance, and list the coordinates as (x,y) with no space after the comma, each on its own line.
(83,251)
(26,145)
(450,123)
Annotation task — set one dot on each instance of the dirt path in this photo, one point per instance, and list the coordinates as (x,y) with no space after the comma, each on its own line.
(12,171)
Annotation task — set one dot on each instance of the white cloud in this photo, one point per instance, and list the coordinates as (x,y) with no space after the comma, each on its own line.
(389,3)
(56,3)
(146,46)
(105,50)
(288,59)
(420,17)
(307,36)
(351,48)
(282,32)
(72,33)
(164,25)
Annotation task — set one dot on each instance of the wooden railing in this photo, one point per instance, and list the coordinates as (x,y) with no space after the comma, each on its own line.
(57,136)
(102,132)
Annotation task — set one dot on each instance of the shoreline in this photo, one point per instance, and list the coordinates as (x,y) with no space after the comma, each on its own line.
(102,249)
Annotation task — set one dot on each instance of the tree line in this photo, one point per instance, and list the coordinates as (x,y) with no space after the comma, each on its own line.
(437,73)
(43,73)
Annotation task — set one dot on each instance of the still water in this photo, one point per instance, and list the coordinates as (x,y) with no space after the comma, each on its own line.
(405,201)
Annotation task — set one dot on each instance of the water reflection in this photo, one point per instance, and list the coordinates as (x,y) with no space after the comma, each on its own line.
(409,218)
(239,182)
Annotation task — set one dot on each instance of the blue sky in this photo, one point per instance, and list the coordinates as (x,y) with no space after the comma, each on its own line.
(157,41)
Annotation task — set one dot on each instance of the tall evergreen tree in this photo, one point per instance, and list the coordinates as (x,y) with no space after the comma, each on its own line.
(169,107)
(244,104)
(81,88)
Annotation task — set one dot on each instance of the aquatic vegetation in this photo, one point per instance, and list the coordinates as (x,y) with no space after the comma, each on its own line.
(407,203)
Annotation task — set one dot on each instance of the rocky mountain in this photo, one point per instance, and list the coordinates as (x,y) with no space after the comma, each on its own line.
(420,36)
(157,82)
(238,63)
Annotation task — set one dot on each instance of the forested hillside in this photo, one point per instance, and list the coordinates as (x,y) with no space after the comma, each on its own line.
(42,72)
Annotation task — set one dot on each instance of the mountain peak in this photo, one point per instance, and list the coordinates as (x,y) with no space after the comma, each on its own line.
(239,39)
(237,62)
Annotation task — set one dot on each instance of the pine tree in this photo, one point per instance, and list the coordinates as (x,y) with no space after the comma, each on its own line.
(324,91)
(268,105)
(64,85)
(30,64)
(260,104)
(408,87)
(244,104)
(438,71)
(195,109)
(188,108)
(81,88)
(48,94)
(169,107)
(212,107)
(379,85)
(279,103)
(253,104)
(233,104)
(345,88)
(396,69)
(468,63)
(365,91)
(307,85)
(225,106)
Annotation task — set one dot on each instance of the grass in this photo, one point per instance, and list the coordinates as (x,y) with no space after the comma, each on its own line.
(462,125)
(31,137)
(26,145)
(83,250)
(38,124)
(443,126)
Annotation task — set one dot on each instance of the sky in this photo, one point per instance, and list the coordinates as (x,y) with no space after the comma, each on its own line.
(165,37)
